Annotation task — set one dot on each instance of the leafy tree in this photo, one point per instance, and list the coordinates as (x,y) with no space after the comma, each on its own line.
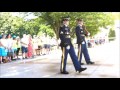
(49,22)
(9,23)
(93,20)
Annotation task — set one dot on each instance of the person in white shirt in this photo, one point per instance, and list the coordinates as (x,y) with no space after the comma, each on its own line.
(24,46)
(9,47)
(18,46)
(35,44)
(48,45)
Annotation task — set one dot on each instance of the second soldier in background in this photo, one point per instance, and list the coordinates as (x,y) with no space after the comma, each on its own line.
(81,32)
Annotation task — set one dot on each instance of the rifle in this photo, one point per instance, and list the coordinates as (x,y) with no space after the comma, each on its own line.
(85,30)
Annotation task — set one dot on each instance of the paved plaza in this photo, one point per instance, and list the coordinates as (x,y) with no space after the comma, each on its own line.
(106,58)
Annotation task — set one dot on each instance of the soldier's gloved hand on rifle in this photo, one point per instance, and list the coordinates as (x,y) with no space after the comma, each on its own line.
(87,34)
(81,41)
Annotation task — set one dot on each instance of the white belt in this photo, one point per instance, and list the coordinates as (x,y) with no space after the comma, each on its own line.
(83,42)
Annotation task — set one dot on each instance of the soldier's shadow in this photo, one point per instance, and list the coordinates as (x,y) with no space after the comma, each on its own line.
(82,74)
(54,67)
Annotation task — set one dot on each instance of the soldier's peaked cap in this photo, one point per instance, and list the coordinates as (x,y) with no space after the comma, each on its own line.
(79,19)
(66,19)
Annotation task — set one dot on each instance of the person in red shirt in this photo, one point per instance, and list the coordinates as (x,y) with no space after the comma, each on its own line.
(30,47)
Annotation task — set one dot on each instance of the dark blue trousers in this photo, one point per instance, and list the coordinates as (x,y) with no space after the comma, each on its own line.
(82,49)
(73,56)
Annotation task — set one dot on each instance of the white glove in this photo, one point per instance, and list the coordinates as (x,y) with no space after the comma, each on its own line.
(88,34)
(68,47)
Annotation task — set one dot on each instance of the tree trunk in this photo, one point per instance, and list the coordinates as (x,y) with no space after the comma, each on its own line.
(57,37)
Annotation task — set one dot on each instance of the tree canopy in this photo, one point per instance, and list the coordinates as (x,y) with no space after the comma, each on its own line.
(49,22)
(93,20)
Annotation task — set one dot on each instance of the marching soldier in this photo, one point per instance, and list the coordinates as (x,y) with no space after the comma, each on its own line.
(67,47)
(81,32)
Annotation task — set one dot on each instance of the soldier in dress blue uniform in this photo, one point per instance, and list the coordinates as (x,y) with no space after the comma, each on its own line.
(81,32)
(67,47)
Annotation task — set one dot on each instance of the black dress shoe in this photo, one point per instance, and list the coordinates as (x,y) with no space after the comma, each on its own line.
(81,69)
(64,72)
(90,62)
